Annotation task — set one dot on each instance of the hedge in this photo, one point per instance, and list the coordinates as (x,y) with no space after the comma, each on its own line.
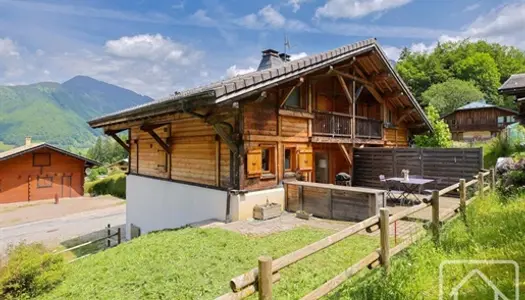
(112,185)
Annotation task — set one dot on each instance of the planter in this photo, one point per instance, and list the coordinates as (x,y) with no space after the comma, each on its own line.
(301,214)
(267,211)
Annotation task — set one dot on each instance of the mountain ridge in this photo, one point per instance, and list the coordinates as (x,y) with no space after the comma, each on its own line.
(57,112)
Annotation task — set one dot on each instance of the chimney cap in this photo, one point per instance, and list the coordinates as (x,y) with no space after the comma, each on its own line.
(270,51)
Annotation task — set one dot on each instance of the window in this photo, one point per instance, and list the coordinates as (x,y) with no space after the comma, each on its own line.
(511,119)
(266,160)
(501,120)
(261,163)
(44,182)
(41,159)
(289,160)
(294,100)
(389,116)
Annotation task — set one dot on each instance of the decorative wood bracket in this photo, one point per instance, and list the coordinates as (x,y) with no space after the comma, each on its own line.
(345,153)
(301,80)
(114,135)
(345,89)
(226,134)
(404,114)
(150,130)
(349,76)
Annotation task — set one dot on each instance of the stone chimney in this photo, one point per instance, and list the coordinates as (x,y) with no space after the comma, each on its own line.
(28,140)
(270,59)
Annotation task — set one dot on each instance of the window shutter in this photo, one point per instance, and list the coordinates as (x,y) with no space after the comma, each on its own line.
(253,161)
(305,159)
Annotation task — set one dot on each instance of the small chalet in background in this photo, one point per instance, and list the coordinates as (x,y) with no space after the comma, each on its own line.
(478,121)
(515,86)
(39,171)
(216,151)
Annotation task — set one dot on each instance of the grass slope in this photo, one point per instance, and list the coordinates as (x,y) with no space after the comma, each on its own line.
(198,264)
(495,231)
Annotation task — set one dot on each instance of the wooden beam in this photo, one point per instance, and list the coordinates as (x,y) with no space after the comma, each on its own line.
(283,101)
(146,127)
(345,89)
(350,76)
(348,65)
(380,76)
(345,153)
(159,141)
(119,141)
(404,114)
(226,133)
(370,87)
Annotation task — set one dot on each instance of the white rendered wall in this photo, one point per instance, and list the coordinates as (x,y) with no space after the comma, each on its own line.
(154,204)
(242,205)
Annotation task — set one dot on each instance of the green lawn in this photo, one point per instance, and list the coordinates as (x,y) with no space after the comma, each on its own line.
(495,231)
(199,263)
(5,147)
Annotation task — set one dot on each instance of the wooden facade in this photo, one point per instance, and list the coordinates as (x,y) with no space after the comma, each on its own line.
(39,174)
(480,123)
(303,126)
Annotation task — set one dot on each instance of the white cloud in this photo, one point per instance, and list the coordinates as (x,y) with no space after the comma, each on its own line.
(502,25)
(202,17)
(351,9)
(295,4)
(151,47)
(300,55)
(234,71)
(179,5)
(472,7)
(392,52)
(272,16)
(8,47)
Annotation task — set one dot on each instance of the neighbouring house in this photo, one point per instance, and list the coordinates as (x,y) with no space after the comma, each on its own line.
(515,86)
(478,121)
(216,151)
(121,165)
(39,171)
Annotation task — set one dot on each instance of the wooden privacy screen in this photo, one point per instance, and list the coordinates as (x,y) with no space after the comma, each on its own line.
(446,166)
(333,201)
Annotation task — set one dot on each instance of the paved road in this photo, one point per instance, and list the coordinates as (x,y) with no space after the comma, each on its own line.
(53,231)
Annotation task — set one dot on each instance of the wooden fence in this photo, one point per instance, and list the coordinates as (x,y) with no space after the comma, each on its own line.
(108,238)
(333,201)
(446,166)
(262,278)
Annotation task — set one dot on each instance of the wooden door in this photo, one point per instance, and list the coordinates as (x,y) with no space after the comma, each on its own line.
(66,186)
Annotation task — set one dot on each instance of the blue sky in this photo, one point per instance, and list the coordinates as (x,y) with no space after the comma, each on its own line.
(157,47)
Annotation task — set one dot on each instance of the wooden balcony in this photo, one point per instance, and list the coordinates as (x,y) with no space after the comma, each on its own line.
(482,126)
(333,124)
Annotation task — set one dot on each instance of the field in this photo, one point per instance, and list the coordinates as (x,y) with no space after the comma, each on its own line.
(5,147)
(495,231)
(196,263)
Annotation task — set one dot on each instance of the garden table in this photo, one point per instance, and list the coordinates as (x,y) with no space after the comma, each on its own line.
(410,186)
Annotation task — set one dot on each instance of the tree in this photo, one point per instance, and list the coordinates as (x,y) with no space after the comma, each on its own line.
(106,151)
(450,95)
(481,69)
(441,136)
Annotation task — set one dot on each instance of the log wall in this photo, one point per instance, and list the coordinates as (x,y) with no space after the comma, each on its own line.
(446,166)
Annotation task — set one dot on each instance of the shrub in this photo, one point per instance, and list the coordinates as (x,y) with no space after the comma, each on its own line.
(93,175)
(112,185)
(441,136)
(30,271)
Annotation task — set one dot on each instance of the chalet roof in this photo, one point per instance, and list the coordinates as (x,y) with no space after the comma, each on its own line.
(482,104)
(246,85)
(515,83)
(35,146)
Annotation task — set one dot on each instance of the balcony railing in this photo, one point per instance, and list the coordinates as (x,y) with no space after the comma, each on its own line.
(482,126)
(368,128)
(340,125)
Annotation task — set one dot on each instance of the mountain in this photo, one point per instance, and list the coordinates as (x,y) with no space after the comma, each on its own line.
(57,113)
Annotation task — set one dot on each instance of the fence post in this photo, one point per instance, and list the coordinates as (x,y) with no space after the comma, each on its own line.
(119,236)
(435,215)
(265,278)
(492,179)
(481,184)
(462,199)
(109,235)
(384,233)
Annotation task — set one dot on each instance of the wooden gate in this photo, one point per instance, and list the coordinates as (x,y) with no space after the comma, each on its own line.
(446,166)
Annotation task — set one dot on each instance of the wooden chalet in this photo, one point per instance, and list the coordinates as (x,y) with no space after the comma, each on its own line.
(478,121)
(515,86)
(37,171)
(287,120)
